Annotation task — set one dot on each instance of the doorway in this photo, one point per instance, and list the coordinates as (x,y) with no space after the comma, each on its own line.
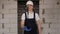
(22,8)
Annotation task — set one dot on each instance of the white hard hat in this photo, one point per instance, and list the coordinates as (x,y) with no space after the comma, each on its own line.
(29,2)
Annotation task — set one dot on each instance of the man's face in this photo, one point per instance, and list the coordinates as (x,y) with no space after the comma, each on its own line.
(30,7)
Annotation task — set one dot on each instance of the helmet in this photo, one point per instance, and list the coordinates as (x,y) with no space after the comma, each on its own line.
(29,2)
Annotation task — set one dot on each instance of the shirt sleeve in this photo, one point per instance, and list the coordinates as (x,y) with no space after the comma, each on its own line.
(37,17)
(23,16)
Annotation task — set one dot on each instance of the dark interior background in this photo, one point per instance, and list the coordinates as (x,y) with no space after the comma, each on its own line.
(22,8)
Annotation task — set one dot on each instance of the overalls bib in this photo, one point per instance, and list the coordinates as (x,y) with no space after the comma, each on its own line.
(31,25)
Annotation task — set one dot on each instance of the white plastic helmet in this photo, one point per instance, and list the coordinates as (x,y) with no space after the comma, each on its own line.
(29,2)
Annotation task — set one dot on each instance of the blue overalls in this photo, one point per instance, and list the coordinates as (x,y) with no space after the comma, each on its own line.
(30,25)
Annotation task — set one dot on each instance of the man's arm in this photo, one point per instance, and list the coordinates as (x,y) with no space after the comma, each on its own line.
(22,26)
(22,20)
(39,26)
(22,23)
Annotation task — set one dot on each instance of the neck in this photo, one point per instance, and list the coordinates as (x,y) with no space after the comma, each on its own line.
(30,10)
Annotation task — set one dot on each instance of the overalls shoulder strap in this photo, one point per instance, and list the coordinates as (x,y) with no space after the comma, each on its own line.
(26,15)
(34,15)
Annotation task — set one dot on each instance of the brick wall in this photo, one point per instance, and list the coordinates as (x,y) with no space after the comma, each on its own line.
(49,15)
(8,17)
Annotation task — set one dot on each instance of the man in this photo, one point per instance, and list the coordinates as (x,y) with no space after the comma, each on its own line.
(30,21)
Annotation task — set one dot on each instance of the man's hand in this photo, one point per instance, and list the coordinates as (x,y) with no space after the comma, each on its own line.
(39,27)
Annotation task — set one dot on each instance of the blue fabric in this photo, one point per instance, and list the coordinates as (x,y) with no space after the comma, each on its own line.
(26,28)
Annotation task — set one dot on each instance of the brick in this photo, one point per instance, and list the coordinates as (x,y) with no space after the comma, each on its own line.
(50,2)
(12,26)
(4,20)
(51,11)
(41,16)
(41,6)
(50,20)
(7,25)
(9,1)
(11,33)
(5,11)
(0,32)
(4,30)
(13,21)
(13,30)
(10,5)
(0,26)
(0,6)
(57,6)
(0,16)
(47,6)
(13,11)
(55,32)
(10,16)
(45,25)
(46,31)
(55,26)
(10,11)
(51,15)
